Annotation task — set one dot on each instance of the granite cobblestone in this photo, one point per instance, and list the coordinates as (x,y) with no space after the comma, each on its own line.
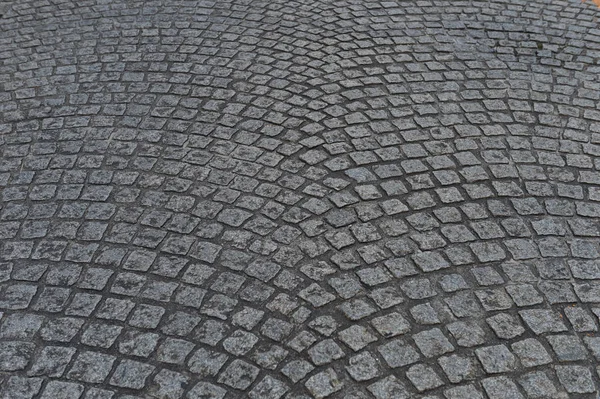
(299,199)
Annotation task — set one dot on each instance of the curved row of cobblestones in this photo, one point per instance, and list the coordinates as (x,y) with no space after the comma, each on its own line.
(299,199)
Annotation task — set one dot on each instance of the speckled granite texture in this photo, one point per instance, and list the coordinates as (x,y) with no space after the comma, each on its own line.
(299,199)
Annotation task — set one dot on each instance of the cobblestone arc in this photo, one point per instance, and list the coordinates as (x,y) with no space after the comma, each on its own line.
(299,199)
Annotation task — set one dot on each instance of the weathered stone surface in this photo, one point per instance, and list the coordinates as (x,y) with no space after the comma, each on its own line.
(299,199)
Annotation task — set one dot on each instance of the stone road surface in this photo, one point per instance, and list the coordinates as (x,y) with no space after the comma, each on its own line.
(299,199)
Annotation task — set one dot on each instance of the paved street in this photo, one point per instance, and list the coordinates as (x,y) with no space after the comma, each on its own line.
(296,199)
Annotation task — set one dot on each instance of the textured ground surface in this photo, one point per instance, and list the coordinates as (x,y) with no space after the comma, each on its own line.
(299,199)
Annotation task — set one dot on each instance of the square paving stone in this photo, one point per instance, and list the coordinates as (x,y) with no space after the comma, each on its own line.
(458,368)
(324,384)
(356,337)
(398,354)
(580,319)
(168,385)
(542,321)
(316,295)
(297,370)
(568,348)
(496,359)
(101,335)
(20,326)
(138,343)
(20,387)
(302,341)
(432,342)
(524,295)
(269,356)
(467,334)
(388,388)
(363,367)
(463,304)
(206,390)
(18,296)
(239,375)
(174,351)
(211,332)
(494,299)
(424,314)
(505,326)
(463,392)
(423,377)
(325,352)
(531,352)
(131,374)
(593,344)
(269,388)
(62,390)
(538,385)
(206,363)
(83,304)
(391,325)
(575,379)
(501,388)
(248,318)
(15,355)
(357,309)
(276,329)
(51,361)
(91,367)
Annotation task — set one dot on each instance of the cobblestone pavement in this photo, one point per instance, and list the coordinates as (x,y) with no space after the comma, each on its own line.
(299,199)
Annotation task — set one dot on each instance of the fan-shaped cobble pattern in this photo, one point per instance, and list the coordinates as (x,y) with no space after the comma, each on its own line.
(299,199)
